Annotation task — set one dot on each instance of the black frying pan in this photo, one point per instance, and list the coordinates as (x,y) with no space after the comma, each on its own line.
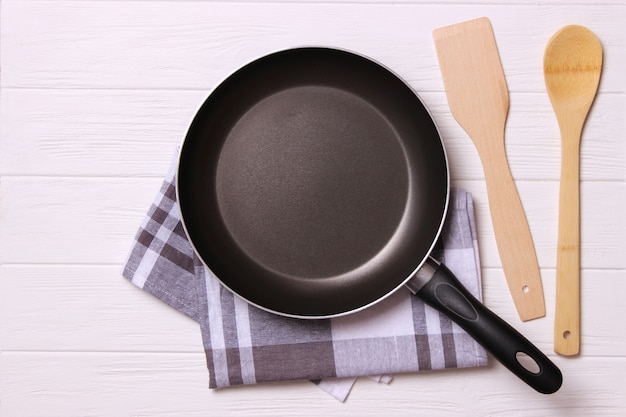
(314,183)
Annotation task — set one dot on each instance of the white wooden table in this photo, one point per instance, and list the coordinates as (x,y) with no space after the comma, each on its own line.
(97,94)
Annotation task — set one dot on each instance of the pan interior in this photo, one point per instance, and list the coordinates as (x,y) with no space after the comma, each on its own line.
(321,191)
(312,182)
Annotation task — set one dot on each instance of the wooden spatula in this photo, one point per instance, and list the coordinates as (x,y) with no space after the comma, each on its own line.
(479,100)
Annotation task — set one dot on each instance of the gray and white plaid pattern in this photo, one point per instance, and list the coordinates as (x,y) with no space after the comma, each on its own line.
(246,345)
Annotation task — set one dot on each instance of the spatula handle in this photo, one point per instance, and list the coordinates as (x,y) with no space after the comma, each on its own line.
(567,318)
(513,238)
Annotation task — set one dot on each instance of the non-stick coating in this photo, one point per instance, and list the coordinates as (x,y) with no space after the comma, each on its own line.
(313,182)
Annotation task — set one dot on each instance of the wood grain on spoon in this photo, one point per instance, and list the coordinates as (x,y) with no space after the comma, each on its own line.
(479,100)
(572,67)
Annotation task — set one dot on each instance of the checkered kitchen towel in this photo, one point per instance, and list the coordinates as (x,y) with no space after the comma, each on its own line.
(246,345)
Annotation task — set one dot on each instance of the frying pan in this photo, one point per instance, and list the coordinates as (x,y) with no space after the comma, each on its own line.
(314,183)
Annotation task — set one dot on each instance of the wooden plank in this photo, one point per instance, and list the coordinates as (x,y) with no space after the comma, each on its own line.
(81,220)
(87,308)
(194,45)
(93,132)
(601,225)
(134,133)
(547,2)
(92,308)
(162,385)
(93,220)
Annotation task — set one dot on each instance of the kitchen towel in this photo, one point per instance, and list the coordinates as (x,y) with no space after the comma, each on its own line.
(247,345)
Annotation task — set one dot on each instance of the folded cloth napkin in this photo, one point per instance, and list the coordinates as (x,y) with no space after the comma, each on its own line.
(246,345)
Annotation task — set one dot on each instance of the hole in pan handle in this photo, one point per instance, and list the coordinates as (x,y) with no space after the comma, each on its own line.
(443,291)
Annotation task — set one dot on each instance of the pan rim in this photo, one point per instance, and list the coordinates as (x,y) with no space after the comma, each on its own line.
(444,210)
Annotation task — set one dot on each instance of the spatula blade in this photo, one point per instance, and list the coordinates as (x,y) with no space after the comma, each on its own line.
(473,77)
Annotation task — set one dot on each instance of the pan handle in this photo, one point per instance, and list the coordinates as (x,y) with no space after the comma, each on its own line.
(443,291)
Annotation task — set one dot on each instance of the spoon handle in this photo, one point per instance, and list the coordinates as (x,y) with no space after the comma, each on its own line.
(567,317)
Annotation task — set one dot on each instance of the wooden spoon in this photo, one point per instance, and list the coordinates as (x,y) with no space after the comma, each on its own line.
(572,65)
(479,100)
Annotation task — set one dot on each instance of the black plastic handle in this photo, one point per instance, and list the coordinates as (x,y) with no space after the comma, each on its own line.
(445,293)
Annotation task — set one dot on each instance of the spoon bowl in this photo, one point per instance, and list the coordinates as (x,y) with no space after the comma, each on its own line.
(572,66)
